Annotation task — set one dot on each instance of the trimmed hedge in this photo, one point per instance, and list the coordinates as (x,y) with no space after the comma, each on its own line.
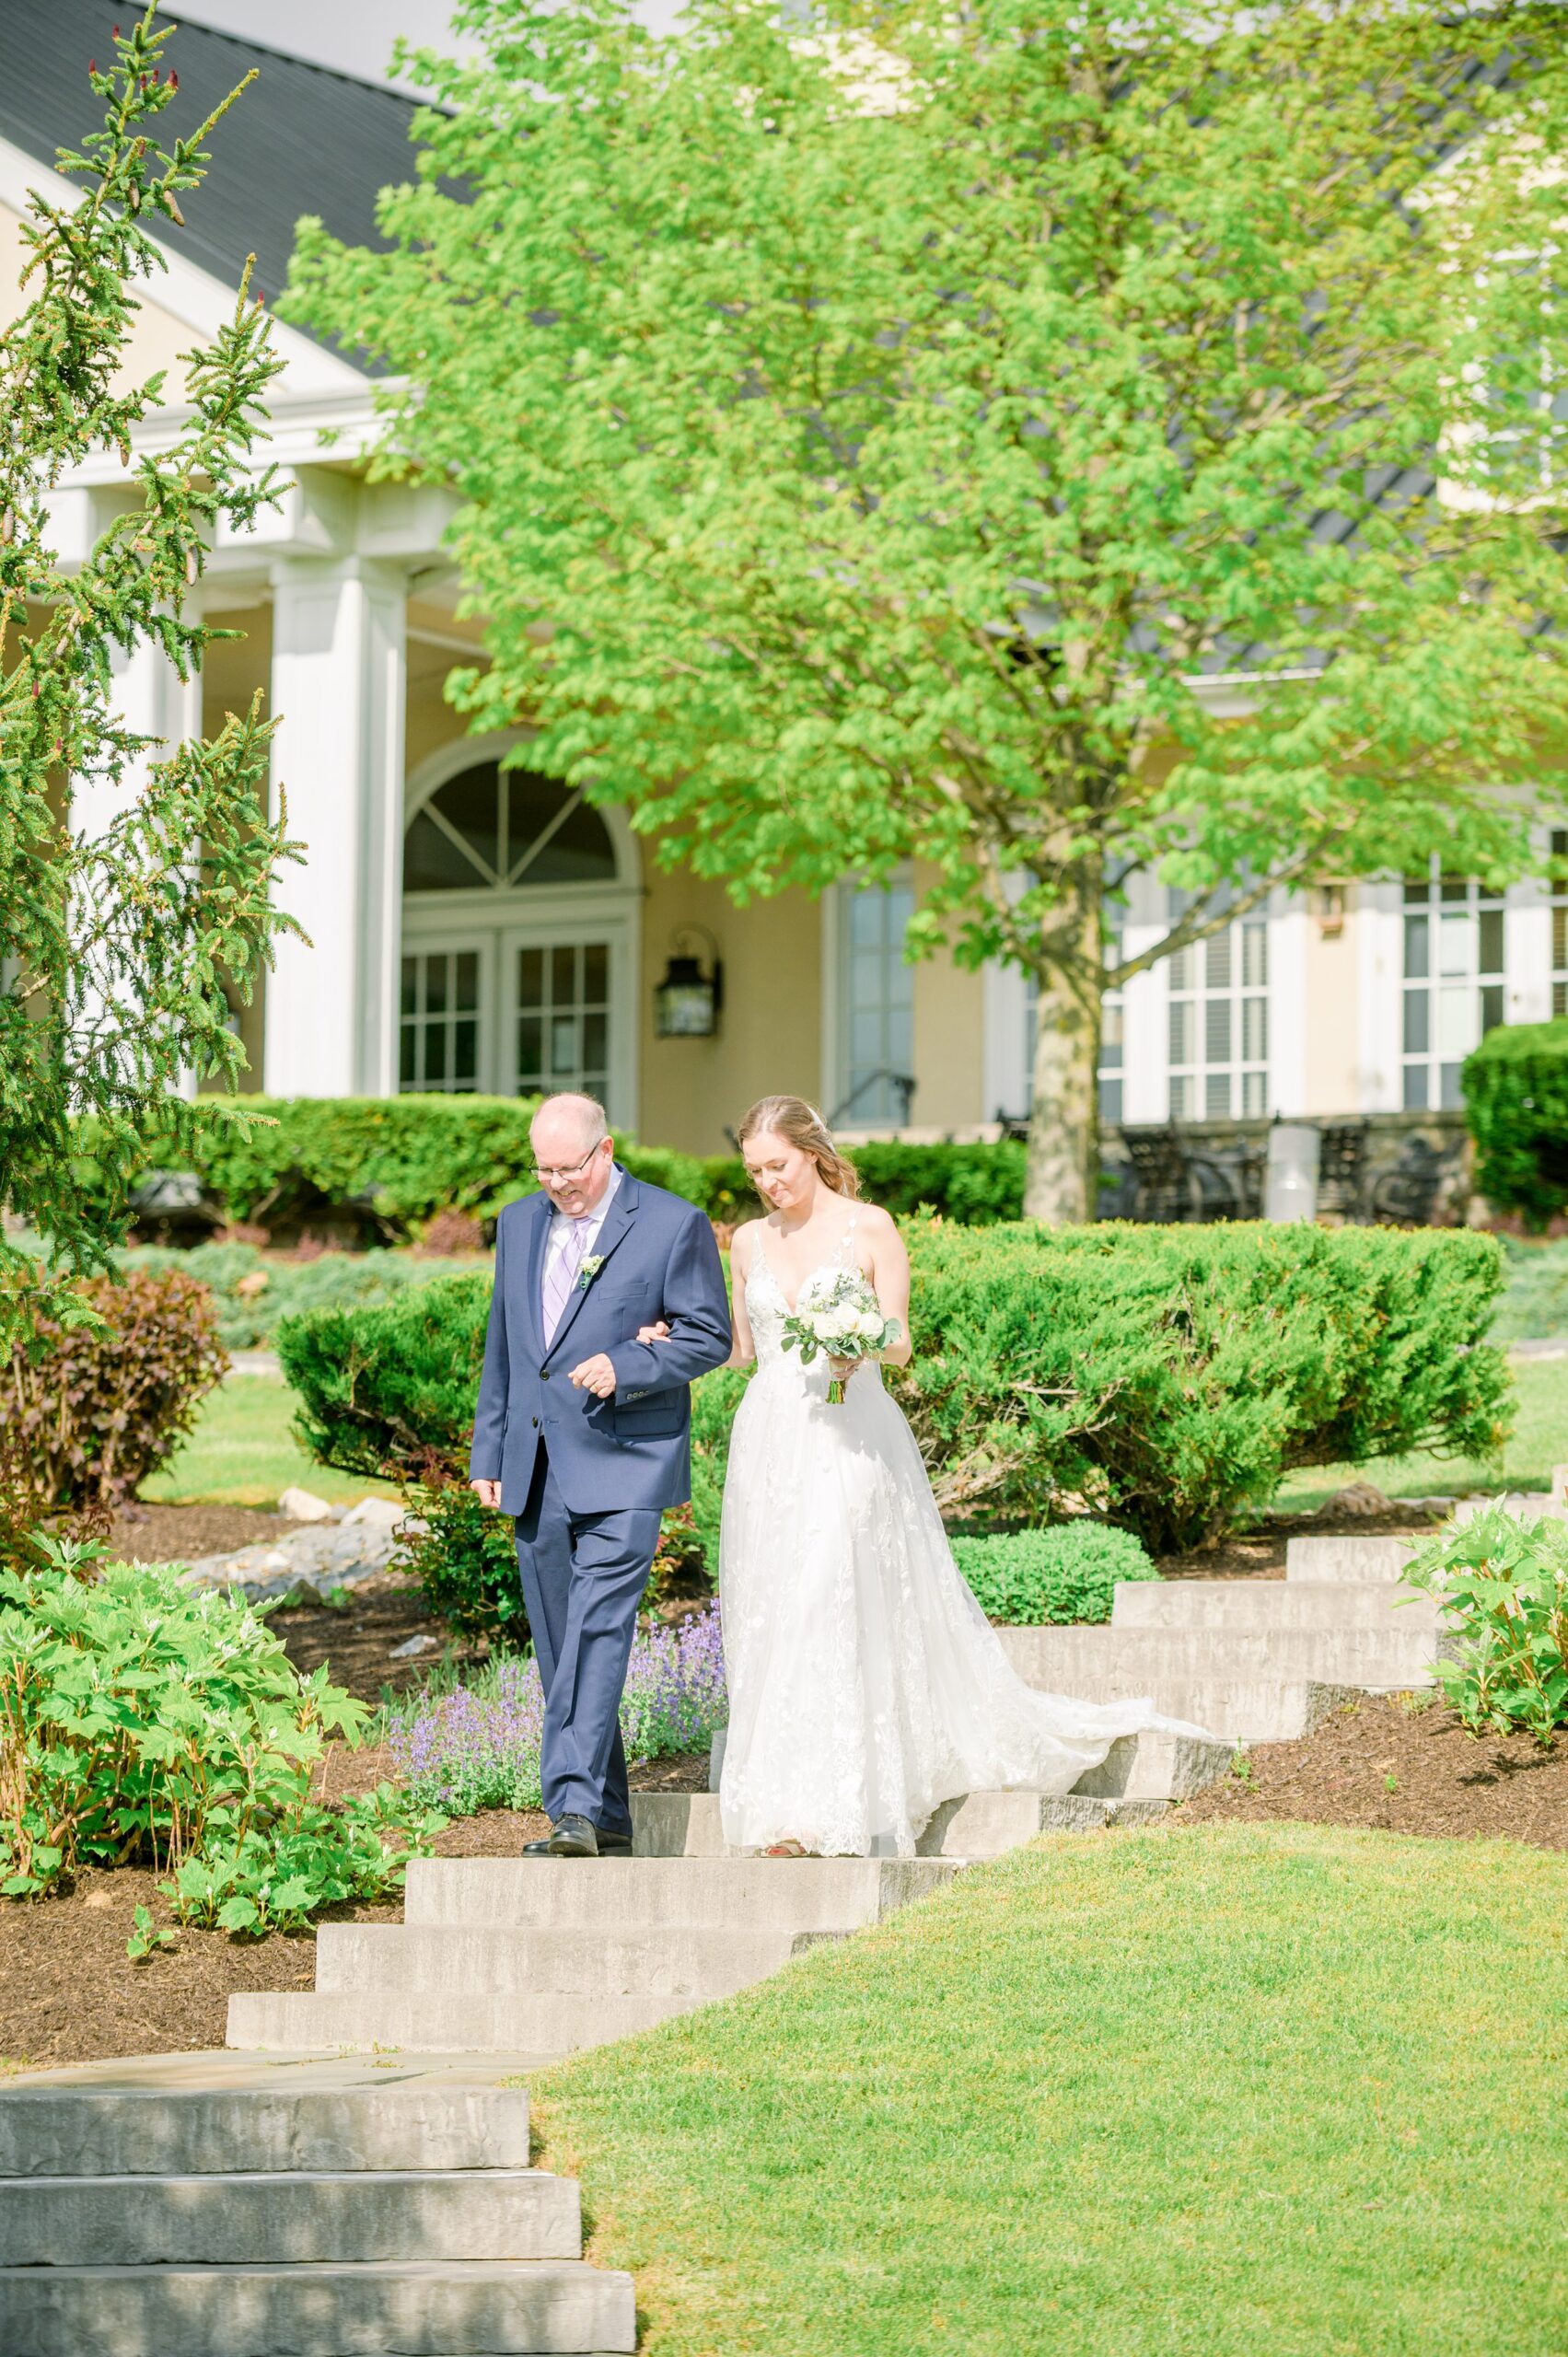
(1163,1379)
(1066,1574)
(407,1159)
(1516,1091)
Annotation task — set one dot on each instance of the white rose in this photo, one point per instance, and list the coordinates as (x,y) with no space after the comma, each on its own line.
(838,1322)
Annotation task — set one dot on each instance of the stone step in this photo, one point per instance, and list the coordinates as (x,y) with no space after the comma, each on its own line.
(1528,1505)
(191,2115)
(1171,1666)
(788,1894)
(1373,1560)
(533,1961)
(1271,1605)
(976,1825)
(421,2308)
(264,2218)
(297,2021)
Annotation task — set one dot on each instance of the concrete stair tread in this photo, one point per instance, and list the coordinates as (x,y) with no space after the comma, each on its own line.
(797,1895)
(697,1961)
(305,2217)
(420,2307)
(192,2115)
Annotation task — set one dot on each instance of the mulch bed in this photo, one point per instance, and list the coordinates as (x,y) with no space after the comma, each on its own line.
(154,1534)
(1258,1552)
(1400,1764)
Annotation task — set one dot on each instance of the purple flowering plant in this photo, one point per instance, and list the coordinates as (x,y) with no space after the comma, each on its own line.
(474,1744)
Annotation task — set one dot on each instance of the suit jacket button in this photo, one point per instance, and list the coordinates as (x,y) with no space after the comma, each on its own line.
(536,1424)
(544,1375)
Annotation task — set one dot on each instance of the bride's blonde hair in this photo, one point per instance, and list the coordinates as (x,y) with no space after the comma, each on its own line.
(801,1125)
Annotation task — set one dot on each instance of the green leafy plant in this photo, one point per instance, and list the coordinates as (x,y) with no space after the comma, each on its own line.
(252,1291)
(390,1391)
(88,1410)
(466,1560)
(1066,1573)
(142,1720)
(1502,1582)
(1515,1090)
(132,907)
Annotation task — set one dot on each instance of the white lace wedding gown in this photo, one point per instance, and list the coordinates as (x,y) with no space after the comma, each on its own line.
(865,1684)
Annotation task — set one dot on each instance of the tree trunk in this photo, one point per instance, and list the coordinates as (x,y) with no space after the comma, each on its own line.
(1061,1172)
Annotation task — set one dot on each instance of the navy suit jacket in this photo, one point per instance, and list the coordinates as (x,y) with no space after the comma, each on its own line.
(635,1448)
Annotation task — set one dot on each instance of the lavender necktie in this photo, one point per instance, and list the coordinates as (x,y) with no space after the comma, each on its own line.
(561,1276)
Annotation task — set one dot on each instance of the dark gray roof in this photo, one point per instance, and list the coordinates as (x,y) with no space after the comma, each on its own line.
(302,139)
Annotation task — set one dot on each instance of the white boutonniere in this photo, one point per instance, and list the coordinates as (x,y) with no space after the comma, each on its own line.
(592,1262)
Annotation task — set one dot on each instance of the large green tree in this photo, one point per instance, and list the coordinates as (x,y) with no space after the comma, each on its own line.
(870,436)
(133,876)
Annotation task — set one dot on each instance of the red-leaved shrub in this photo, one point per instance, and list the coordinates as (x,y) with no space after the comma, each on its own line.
(89,1412)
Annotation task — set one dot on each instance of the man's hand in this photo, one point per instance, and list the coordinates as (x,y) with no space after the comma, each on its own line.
(487,1493)
(595,1375)
(659,1333)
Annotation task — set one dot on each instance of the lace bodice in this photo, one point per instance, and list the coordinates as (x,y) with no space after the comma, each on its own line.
(767,1306)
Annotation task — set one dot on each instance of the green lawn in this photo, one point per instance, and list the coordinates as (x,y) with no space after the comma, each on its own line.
(1237,2091)
(1540,1442)
(243,1452)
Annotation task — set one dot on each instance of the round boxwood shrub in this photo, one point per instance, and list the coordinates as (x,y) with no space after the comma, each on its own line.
(1516,1087)
(1066,1572)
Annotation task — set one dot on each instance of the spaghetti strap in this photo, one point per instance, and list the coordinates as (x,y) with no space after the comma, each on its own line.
(846,1241)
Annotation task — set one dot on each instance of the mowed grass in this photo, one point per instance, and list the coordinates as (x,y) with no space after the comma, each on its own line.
(1236,2090)
(1540,1441)
(243,1452)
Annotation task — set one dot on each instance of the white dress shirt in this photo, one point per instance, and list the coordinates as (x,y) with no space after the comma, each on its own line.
(561,1228)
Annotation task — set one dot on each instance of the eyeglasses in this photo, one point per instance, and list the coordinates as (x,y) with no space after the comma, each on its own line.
(549,1174)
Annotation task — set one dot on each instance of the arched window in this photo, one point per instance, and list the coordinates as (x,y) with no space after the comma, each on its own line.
(505,829)
(519,925)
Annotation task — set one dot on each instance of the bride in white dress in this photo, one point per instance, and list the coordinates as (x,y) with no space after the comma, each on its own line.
(865,1684)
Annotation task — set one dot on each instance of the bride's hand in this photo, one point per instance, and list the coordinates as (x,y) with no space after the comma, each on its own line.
(659,1333)
(842,1369)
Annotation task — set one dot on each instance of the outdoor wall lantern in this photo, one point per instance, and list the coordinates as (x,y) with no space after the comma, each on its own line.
(1291,1184)
(686,1002)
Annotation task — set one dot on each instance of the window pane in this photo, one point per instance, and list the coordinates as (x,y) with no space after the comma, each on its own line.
(1255,1030)
(1255,956)
(530,978)
(435,984)
(1491,1007)
(596,1042)
(1415,1089)
(1454,887)
(1456,945)
(1218,950)
(596,974)
(433,863)
(868,920)
(1416,889)
(467,981)
(472,805)
(563,977)
(1181,1031)
(1418,946)
(409,985)
(1111,1100)
(1559,998)
(580,849)
(1491,941)
(530,1047)
(1449,1096)
(407,1049)
(1417,1023)
(562,1046)
(1180,1097)
(1216,1103)
(1216,1031)
(1458,1020)
(465,1052)
(1252,1087)
(436,1054)
(1560,938)
(1181,970)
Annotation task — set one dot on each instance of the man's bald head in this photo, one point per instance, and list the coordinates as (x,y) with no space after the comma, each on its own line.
(571,1143)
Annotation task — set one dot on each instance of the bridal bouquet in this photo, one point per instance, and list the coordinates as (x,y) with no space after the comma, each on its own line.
(845,1321)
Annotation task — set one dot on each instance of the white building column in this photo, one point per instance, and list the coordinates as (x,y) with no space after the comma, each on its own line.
(339,681)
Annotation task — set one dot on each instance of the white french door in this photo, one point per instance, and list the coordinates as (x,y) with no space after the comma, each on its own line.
(520,1008)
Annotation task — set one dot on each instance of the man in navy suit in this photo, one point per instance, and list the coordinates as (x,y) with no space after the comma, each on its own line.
(584,1433)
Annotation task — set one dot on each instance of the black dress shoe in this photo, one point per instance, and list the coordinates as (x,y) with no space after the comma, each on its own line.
(572,1836)
(613,1845)
(537,1849)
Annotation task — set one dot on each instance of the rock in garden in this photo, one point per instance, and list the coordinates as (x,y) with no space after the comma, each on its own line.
(412,1646)
(374,1514)
(1357,1497)
(304,1505)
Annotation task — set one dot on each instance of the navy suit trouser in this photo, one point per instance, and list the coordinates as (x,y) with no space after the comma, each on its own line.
(583,1578)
